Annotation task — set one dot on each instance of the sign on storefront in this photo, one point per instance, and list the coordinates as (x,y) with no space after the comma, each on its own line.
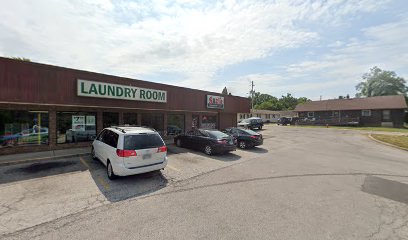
(108,90)
(215,102)
(78,123)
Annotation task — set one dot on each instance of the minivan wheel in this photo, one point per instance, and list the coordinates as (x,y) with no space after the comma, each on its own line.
(208,150)
(242,144)
(178,142)
(109,170)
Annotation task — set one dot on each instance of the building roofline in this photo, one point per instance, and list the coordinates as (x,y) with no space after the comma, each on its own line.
(110,75)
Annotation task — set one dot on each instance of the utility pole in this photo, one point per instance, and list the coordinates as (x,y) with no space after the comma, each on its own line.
(252,95)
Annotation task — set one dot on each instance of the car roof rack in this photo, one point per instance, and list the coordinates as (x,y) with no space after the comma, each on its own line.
(120,127)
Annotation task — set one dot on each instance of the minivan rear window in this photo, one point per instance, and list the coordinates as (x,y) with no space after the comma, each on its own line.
(142,141)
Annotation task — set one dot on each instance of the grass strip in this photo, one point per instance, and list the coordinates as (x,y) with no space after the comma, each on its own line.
(400,141)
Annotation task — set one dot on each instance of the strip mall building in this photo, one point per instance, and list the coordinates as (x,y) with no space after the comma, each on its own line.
(44,107)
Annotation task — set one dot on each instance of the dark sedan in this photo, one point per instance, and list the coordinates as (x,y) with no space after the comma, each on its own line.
(287,120)
(208,141)
(245,138)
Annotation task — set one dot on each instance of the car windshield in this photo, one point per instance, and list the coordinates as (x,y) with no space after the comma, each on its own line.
(142,141)
(217,134)
(245,121)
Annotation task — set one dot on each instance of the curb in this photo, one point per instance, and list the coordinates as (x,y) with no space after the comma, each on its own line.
(385,143)
(15,162)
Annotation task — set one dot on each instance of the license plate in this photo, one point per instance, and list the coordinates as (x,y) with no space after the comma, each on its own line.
(147,156)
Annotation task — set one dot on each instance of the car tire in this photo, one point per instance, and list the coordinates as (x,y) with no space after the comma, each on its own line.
(109,171)
(242,144)
(93,155)
(208,150)
(260,128)
(178,143)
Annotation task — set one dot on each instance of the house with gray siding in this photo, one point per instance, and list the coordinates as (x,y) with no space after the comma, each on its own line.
(267,116)
(386,111)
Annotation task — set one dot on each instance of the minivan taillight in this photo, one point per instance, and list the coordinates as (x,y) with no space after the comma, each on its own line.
(162,149)
(125,153)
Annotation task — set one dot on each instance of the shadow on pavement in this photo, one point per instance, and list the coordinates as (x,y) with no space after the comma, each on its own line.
(127,187)
(256,150)
(21,172)
(120,189)
(231,156)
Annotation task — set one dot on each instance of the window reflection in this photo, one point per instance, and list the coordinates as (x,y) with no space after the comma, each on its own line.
(75,127)
(19,128)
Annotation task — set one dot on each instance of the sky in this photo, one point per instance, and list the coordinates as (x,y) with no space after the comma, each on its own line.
(304,47)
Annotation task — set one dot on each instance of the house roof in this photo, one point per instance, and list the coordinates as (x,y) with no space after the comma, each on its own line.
(379,102)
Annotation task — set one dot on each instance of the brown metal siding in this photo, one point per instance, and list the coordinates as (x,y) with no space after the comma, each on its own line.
(27,82)
(227,120)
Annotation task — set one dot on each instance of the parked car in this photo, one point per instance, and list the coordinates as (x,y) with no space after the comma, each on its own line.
(26,136)
(245,138)
(31,135)
(207,140)
(173,130)
(251,123)
(287,120)
(129,150)
(283,121)
(78,135)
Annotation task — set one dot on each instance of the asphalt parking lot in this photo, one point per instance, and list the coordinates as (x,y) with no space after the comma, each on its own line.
(34,193)
(312,174)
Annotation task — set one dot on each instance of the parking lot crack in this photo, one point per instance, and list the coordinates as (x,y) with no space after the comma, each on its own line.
(12,206)
(391,221)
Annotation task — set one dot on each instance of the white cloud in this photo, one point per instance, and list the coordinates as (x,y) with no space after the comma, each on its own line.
(384,46)
(194,39)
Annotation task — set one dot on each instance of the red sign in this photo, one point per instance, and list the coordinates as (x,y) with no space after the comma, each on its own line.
(215,102)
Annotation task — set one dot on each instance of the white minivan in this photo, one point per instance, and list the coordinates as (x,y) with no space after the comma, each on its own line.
(129,150)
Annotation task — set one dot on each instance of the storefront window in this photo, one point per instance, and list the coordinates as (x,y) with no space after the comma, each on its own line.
(21,128)
(110,119)
(76,127)
(130,118)
(175,124)
(195,121)
(209,122)
(154,120)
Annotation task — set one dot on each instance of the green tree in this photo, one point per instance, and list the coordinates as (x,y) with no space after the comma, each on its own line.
(272,104)
(261,97)
(288,102)
(224,91)
(268,102)
(381,83)
(303,100)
